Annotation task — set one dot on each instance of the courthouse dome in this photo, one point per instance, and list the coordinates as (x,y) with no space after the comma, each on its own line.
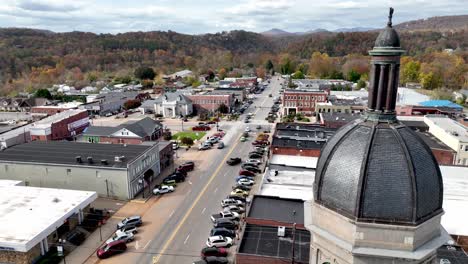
(379,172)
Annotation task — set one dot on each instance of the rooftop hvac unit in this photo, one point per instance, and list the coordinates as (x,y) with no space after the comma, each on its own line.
(119,158)
(104,162)
(78,159)
(90,160)
(281,231)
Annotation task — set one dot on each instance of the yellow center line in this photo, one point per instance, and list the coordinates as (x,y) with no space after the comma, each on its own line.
(171,238)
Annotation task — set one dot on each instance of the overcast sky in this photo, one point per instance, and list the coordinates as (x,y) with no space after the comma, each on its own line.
(208,16)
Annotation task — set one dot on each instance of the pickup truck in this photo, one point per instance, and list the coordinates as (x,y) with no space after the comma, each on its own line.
(226,215)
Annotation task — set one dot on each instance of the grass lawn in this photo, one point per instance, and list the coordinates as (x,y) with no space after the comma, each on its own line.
(194,135)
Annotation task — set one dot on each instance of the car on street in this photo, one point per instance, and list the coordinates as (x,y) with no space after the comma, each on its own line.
(247,173)
(132,221)
(259,127)
(247,129)
(120,235)
(214,251)
(239,192)
(246,121)
(163,189)
(175,145)
(220,145)
(178,177)
(227,202)
(236,197)
(245,181)
(243,139)
(234,208)
(260,143)
(226,223)
(244,177)
(247,165)
(213,140)
(255,156)
(111,249)
(219,241)
(216,260)
(221,231)
(233,161)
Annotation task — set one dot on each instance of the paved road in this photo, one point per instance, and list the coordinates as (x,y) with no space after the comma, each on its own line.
(177,225)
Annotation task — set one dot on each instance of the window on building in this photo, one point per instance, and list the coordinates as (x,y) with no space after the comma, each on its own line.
(466,147)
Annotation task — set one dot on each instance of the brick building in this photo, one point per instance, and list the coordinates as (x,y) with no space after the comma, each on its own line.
(132,132)
(211,102)
(302,101)
(269,232)
(300,139)
(60,126)
(418,110)
(54,109)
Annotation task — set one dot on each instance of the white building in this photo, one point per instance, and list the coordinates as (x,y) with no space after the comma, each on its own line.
(452,134)
(169,105)
(31,217)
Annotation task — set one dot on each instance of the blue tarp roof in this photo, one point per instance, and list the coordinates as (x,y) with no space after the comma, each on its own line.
(440,103)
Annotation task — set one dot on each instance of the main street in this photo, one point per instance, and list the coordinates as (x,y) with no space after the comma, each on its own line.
(177,225)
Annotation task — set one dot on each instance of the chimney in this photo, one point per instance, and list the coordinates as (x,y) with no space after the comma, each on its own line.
(78,159)
(90,160)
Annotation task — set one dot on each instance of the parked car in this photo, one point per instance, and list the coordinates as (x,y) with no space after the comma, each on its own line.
(220,145)
(226,223)
(249,165)
(214,251)
(255,156)
(233,161)
(187,166)
(132,220)
(242,187)
(246,121)
(204,146)
(213,140)
(178,177)
(246,182)
(252,169)
(238,198)
(175,145)
(225,215)
(130,229)
(120,235)
(243,139)
(239,192)
(247,129)
(76,237)
(169,182)
(247,173)
(201,128)
(244,177)
(163,189)
(111,249)
(216,260)
(227,202)
(221,231)
(234,208)
(260,143)
(219,241)
(181,172)
(253,161)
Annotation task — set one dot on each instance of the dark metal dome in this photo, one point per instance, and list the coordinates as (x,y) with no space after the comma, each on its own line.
(375,171)
(388,38)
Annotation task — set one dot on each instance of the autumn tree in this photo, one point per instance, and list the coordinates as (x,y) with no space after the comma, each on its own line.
(321,65)
(145,73)
(260,72)
(222,73)
(222,108)
(409,70)
(269,66)
(130,104)
(43,93)
(298,75)
(188,141)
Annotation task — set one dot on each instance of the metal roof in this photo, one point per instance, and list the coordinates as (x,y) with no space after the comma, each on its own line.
(65,152)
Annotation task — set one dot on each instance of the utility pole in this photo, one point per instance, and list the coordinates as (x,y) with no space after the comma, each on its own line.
(293,242)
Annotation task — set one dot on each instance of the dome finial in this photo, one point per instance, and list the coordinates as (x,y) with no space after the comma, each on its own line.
(390,17)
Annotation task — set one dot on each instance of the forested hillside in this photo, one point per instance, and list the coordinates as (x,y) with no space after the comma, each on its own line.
(32,59)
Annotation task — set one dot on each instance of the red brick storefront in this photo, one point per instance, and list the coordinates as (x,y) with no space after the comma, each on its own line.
(211,102)
(60,126)
(297,101)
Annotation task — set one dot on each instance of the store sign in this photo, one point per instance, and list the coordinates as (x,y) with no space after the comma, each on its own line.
(7,249)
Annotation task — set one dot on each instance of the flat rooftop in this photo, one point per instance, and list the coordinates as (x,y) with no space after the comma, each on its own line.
(65,152)
(339,117)
(30,214)
(57,118)
(291,182)
(277,209)
(264,241)
(450,126)
(294,161)
(455,201)
(432,141)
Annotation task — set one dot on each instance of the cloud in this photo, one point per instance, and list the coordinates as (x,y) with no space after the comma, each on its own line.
(49,5)
(208,16)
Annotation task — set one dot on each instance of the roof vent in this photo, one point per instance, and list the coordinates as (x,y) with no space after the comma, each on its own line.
(119,158)
(281,231)
(90,160)
(78,159)
(104,162)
